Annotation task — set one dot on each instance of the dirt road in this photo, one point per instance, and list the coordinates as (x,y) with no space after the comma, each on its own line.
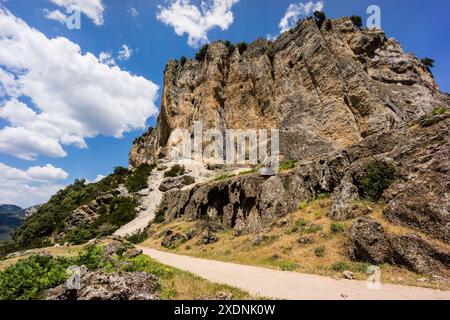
(290,285)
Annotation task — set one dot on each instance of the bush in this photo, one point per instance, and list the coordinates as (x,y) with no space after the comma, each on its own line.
(201,54)
(242,47)
(357,21)
(123,210)
(138,237)
(50,218)
(340,266)
(320,18)
(428,62)
(319,251)
(183,61)
(29,278)
(90,257)
(175,171)
(287,265)
(138,180)
(439,111)
(336,227)
(78,236)
(287,165)
(378,176)
(160,214)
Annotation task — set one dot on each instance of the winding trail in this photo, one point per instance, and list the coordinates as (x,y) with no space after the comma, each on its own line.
(148,203)
(290,285)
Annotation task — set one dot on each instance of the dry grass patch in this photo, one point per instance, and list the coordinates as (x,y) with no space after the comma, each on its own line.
(308,242)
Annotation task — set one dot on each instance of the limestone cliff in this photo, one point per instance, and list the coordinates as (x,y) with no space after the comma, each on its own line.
(325,89)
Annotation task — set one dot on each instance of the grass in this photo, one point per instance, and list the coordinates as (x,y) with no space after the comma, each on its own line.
(288,165)
(326,255)
(28,277)
(175,171)
(439,111)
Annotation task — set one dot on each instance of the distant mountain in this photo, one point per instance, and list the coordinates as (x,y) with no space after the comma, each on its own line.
(11,217)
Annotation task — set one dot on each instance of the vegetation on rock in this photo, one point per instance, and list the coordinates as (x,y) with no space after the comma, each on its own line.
(378,176)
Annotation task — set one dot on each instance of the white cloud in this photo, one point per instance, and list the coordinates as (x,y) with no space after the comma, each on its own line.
(55,15)
(106,58)
(73,95)
(296,11)
(197,21)
(92,8)
(133,12)
(97,179)
(125,53)
(29,187)
(47,173)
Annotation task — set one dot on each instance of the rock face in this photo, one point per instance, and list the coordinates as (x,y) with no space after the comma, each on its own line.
(325,89)
(87,214)
(176,183)
(100,285)
(369,242)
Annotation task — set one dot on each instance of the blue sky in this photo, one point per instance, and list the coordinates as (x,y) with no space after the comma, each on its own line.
(421,27)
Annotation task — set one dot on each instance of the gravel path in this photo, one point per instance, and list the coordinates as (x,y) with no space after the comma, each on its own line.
(148,203)
(290,285)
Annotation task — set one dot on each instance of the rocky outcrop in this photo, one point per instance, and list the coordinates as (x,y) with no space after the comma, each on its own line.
(85,215)
(100,285)
(176,183)
(370,243)
(325,88)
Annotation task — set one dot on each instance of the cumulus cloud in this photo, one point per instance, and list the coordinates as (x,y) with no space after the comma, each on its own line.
(197,20)
(91,8)
(52,94)
(125,53)
(106,58)
(133,12)
(29,187)
(296,11)
(55,15)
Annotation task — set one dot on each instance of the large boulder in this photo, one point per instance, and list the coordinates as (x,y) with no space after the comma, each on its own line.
(171,239)
(369,242)
(176,183)
(418,255)
(100,285)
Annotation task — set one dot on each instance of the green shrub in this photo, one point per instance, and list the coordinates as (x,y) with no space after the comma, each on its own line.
(78,235)
(50,218)
(122,211)
(160,214)
(90,257)
(378,176)
(183,61)
(138,180)
(137,237)
(340,266)
(439,111)
(287,165)
(29,278)
(175,171)
(242,47)
(320,18)
(312,228)
(201,54)
(287,265)
(428,63)
(357,21)
(319,251)
(336,227)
